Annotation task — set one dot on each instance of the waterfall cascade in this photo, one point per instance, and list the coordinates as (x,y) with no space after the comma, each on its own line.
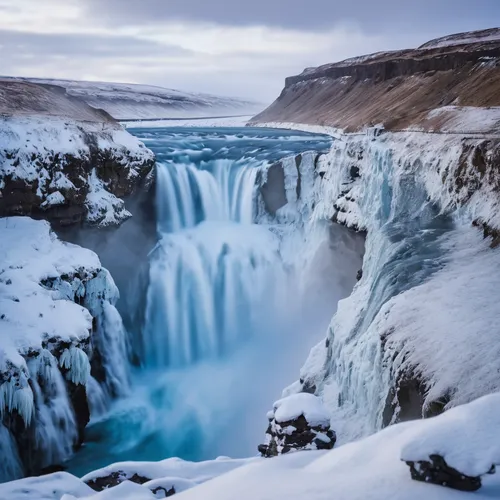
(227,318)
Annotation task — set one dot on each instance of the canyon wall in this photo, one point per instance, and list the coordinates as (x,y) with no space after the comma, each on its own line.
(415,164)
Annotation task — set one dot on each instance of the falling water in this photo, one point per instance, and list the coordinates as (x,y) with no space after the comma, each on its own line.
(224,324)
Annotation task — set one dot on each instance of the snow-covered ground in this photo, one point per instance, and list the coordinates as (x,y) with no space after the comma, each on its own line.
(131,101)
(487,35)
(373,468)
(235,121)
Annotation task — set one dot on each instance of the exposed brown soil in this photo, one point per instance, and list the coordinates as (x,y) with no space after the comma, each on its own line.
(22,99)
(396,89)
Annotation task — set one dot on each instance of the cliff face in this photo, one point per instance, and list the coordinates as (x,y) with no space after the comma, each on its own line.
(64,161)
(400,90)
(62,345)
(414,162)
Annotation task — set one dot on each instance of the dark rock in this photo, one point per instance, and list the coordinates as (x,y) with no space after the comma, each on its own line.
(488,232)
(354,172)
(359,275)
(297,435)
(273,191)
(166,493)
(114,479)
(52,469)
(437,471)
(79,401)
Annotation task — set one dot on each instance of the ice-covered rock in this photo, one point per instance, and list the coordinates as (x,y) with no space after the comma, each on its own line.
(298,422)
(426,295)
(56,314)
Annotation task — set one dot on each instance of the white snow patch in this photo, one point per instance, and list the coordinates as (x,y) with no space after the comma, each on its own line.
(103,207)
(230,121)
(196,472)
(308,405)
(54,199)
(51,487)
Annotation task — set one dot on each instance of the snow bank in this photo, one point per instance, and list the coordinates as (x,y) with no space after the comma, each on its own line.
(124,491)
(196,472)
(371,468)
(476,450)
(31,314)
(51,487)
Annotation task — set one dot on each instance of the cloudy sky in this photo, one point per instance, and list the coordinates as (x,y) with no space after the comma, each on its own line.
(229,47)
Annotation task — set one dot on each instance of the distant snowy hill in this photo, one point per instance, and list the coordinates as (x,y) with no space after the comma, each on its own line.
(488,35)
(130,102)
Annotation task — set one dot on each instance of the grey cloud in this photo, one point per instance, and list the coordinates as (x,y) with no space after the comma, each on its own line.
(82,45)
(370,15)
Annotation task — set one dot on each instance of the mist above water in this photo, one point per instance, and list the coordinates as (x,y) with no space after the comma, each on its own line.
(227,321)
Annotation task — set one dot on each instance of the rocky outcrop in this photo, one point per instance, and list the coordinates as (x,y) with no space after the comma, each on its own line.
(114,479)
(297,423)
(399,89)
(437,471)
(58,324)
(64,161)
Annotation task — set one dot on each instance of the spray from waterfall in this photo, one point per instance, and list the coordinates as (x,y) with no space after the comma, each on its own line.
(226,324)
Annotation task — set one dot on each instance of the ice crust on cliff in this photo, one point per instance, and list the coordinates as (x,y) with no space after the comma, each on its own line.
(31,143)
(425,306)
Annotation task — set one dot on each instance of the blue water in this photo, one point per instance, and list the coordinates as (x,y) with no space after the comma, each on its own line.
(219,308)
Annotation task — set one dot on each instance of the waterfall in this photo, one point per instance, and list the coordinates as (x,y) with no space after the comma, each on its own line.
(217,190)
(204,279)
(226,318)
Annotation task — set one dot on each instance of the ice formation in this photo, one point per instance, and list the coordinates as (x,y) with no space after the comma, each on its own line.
(50,292)
(425,293)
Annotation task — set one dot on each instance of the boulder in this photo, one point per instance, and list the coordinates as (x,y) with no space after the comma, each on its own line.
(298,422)
(437,471)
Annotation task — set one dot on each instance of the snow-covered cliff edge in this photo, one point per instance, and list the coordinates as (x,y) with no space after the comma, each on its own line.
(62,160)
(416,336)
(62,345)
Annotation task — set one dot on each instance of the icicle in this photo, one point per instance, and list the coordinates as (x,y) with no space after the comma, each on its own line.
(110,338)
(56,431)
(77,362)
(16,395)
(98,401)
